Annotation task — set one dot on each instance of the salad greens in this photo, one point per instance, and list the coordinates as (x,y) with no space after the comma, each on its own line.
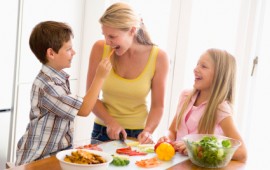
(209,151)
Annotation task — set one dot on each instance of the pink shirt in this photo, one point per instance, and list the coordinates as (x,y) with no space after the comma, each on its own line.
(193,114)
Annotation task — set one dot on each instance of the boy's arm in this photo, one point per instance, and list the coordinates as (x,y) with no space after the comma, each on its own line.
(91,96)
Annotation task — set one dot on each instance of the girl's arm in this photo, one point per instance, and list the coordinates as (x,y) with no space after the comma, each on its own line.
(157,97)
(230,130)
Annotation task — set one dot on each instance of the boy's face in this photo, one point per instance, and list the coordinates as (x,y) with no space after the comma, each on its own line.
(63,58)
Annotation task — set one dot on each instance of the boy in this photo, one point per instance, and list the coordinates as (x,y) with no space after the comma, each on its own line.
(53,108)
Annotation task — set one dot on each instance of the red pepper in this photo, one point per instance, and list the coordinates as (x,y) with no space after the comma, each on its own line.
(129,151)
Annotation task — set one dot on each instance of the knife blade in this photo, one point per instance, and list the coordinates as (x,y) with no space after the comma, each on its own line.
(122,139)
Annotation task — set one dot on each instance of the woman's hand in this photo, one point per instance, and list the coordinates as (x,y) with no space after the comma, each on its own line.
(145,137)
(180,147)
(114,129)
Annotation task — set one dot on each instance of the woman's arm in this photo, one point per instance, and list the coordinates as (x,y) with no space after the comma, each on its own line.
(230,130)
(157,97)
(113,128)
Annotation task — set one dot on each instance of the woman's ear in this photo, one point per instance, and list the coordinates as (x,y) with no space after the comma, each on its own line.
(133,30)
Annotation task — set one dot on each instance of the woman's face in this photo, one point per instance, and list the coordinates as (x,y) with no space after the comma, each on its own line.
(118,39)
(204,73)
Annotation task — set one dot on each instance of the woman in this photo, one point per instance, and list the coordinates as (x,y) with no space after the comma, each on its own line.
(138,68)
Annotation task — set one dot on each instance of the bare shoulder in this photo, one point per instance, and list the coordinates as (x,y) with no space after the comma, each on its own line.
(98,45)
(162,59)
(97,50)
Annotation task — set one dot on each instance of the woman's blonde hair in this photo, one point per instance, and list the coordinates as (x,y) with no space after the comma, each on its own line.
(223,89)
(122,16)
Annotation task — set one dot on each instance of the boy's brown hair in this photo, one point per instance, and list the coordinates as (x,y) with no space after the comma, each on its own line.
(48,34)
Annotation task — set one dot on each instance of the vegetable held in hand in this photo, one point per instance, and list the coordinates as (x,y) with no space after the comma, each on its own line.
(164,151)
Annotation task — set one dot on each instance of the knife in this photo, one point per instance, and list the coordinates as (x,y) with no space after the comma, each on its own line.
(122,139)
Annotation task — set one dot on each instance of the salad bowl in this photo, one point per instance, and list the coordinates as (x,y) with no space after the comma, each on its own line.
(210,151)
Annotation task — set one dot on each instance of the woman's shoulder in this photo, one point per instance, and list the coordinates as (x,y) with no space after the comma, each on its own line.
(99,44)
(162,61)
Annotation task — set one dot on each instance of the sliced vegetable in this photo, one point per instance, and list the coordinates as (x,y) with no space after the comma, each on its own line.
(129,151)
(120,161)
(148,163)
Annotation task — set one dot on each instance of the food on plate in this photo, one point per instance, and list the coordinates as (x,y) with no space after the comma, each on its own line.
(210,151)
(90,147)
(148,163)
(120,160)
(164,151)
(129,151)
(84,157)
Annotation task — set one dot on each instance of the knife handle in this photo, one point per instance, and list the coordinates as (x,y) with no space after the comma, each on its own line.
(121,136)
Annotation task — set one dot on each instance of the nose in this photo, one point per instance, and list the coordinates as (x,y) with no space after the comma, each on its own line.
(73,52)
(195,70)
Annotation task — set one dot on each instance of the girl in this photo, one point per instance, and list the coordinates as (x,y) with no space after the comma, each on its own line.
(207,109)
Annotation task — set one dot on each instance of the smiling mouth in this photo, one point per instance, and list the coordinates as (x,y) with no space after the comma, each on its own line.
(116,47)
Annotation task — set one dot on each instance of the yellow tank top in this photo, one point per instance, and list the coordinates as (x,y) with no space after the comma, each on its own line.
(125,99)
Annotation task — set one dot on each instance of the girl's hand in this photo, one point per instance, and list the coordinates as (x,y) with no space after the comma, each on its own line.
(145,137)
(164,139)
(180,147)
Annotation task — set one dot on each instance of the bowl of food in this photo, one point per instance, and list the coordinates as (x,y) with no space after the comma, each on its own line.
(210,151)
(84,159)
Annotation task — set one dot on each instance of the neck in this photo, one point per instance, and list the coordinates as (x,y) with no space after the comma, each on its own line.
(203,96)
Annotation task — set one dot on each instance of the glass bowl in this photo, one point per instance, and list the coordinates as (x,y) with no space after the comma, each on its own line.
(210,151)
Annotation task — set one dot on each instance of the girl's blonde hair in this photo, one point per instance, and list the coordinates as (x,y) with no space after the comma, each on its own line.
(122,16)
(223,89)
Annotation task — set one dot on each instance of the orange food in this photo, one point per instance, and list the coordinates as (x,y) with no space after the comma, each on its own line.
(165,151)
(148,163)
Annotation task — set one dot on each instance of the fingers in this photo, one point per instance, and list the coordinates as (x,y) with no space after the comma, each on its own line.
(113,133)
(164,139)
(180,147)
(145,138)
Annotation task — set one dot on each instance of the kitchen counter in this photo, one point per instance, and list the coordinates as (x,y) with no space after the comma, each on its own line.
(178,162)
(52,163)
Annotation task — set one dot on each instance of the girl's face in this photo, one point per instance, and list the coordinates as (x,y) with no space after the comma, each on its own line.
(118,39)
(204,73)
(63,58)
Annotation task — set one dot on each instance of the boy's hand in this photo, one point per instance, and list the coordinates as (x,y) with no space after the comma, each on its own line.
(104,68)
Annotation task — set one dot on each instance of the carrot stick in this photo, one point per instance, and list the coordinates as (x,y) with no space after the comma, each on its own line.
(111,53)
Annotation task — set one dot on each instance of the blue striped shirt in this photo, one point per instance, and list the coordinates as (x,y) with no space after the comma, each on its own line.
(52,114)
